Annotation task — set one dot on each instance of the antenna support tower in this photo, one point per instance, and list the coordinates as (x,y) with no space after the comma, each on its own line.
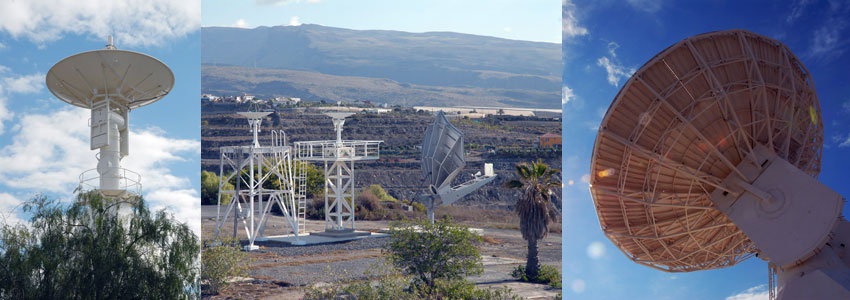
(256,191)
(110,83)
(338,157)
(443,157)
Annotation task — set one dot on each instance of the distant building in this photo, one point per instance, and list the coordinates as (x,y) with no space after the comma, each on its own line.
(210,98)
(286,101)
(247,97)
(548,141)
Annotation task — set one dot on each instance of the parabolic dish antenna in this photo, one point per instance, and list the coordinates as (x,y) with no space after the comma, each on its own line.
(134,78)
(443,157)
(110,83)
(709,155)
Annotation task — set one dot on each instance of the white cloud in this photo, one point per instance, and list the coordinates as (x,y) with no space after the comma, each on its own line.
(508,29)
(569,23)
(8,206)
(26,84)
(650,6)
(754,293)
(596,250)
(294,21)
(578,286)
(615,70)
(797,9)
(585,178)
(132,22)
(566,94)
(827,40)
(49,151)
(845,143)
(846,106)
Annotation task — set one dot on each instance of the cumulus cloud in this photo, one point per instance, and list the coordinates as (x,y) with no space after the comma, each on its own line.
(133,22)
(566,94)
(294,21)
(569,23)
(613,68)
(49,151)
(754,293)
(650,6)
(8,206)
(15,84)
(843,142)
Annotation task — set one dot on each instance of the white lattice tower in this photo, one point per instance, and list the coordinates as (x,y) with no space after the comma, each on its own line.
(338,157)
(257,191)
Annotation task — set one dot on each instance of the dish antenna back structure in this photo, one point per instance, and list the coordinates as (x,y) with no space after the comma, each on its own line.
(110,83)
(443,158)
(338,157)
(256,187)
(709,155)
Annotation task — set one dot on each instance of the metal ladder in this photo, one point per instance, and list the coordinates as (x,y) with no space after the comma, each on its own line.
(301,194)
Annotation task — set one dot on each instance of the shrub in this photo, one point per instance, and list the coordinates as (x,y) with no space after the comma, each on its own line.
(546,275)
(209,189)
(221,260)
(369,201)
(431,252)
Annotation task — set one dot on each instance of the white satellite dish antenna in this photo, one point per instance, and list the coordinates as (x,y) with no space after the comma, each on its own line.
(110,82)
(709,155)
(442,159)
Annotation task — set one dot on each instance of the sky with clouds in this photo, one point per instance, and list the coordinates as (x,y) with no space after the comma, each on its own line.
(532,20)
(604,42)
(44,142)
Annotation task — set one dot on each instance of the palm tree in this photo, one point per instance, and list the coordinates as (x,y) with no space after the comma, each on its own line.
(535,207)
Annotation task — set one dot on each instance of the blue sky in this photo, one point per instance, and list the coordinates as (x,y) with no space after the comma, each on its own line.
(604,42)
(44,141)
(533,20)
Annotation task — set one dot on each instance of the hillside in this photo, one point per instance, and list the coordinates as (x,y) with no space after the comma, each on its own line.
(317,62)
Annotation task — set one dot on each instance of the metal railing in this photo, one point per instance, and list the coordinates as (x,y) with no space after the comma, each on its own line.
(129,181)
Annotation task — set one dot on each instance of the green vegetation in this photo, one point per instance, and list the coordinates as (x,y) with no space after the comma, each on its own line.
(535,207)
(546,275)
(209,189)
(379,191)
(432,252)
(426,261)
(87,250)
(221,260)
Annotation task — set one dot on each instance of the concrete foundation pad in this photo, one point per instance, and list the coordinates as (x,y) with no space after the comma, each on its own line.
(314,239)
(341,233)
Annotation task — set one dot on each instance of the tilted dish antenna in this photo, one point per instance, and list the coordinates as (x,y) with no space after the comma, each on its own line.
(443,158)
(110,82)
(709,155)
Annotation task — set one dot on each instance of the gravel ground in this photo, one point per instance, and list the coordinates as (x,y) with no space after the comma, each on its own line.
(284,249)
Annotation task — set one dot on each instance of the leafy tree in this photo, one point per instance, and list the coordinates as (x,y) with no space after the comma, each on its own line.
(97,249)
(431,253)
(535,207)
(209,188)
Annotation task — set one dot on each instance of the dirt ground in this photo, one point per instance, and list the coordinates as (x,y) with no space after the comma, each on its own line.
(284,272)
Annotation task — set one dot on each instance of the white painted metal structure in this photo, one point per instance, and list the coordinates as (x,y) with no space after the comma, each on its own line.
(709,155)
(443,157)
(338,157)
(110,82)
(256,190)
